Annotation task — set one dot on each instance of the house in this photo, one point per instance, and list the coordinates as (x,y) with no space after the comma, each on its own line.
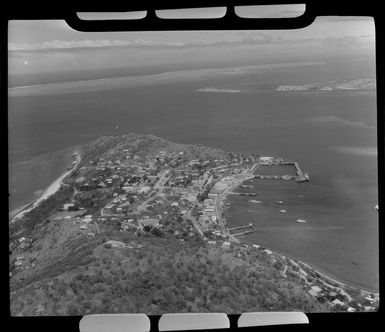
(67,205)
(144,190)
(337,302)
(149,222)
(226,244)
(266,160)
(316,289)
(83,227)
(116,244)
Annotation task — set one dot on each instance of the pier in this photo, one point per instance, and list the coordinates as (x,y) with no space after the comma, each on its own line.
(242,230)
(243,194)
(300,177)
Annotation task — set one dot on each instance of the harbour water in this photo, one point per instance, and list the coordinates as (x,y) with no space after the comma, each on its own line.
(332,134)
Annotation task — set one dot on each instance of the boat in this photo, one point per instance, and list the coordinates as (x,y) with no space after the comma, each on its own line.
(279,202)
(301,220)
(282,211)
(255,201)
(376,207)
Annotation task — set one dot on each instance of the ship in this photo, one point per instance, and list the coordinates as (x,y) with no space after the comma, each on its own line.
(255,201)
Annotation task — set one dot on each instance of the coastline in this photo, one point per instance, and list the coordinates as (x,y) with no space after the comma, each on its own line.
(335,281)
(52,188)
(324,274)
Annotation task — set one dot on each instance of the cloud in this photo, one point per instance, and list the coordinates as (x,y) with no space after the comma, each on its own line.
(357,150)
(331,119)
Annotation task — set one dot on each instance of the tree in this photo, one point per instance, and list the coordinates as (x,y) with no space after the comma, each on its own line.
(73,309)
(157,232)
(147,228)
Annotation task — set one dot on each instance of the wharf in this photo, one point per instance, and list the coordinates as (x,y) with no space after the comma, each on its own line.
(247,230)
(243,194)
(300,177)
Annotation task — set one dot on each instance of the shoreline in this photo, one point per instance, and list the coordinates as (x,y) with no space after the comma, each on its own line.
(324,274)
(343,284)
(51,189)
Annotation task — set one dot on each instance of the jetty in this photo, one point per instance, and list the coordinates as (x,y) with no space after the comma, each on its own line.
(243,194)
(242,230)
(299,177)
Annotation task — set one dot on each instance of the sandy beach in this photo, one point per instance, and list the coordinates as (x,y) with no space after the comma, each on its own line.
(50,190)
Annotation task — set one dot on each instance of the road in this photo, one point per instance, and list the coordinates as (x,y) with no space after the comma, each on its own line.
(158,188)
(188,214)
(239,178)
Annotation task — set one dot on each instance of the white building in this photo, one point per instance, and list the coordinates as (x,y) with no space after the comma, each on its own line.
(266,160)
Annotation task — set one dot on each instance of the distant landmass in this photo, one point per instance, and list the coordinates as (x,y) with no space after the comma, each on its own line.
(358,84)
(216,90)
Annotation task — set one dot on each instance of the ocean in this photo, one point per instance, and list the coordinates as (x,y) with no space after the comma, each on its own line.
(331,134)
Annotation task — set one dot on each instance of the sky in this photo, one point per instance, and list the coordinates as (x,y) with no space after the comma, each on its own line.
(52,46)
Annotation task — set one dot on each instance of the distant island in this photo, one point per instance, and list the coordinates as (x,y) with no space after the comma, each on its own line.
(216,90)
(136,226)
(357,84)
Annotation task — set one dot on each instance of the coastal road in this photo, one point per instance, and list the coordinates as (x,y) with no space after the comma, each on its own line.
(189,212)
(193,220)
(238,179)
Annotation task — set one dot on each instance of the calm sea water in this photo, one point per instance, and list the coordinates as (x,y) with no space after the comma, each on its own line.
(332,134)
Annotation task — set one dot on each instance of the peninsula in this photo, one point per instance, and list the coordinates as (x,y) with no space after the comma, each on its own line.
(357,84)
(137,226)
